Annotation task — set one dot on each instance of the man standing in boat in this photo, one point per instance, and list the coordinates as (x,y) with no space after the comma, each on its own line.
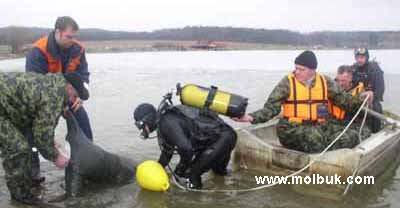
(303,96)
(344,79)
(59,52)
(371,75)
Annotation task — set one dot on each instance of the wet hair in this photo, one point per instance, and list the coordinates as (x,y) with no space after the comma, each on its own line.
(63,22)
(345,69)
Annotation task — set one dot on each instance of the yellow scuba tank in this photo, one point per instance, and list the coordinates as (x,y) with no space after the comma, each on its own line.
(216,100)
(151,175)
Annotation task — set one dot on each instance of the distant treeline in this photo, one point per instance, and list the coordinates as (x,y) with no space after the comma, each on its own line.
(18,36)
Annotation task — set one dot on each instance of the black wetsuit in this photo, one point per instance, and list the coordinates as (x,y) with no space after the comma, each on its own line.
(201,147)
(372,76)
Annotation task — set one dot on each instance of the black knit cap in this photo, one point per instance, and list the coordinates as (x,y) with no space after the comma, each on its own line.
(77,82)
(307,59)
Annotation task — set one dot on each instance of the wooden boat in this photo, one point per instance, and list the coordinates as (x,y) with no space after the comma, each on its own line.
(258,148)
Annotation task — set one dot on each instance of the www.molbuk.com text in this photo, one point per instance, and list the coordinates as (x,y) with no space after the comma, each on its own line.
(314,179)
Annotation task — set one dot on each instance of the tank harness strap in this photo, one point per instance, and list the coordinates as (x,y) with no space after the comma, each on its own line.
(164,146)
(211,96)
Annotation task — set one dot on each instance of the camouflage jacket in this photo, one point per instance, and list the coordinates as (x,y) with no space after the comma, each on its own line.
(34,101)
(281,92)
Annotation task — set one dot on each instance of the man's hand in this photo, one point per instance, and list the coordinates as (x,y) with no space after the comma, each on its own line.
(367,93)
(77,104)
(66,112)
(62,160)
(244,119)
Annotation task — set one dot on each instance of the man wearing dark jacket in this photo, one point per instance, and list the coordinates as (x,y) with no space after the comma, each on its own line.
(371,75)
(60,52)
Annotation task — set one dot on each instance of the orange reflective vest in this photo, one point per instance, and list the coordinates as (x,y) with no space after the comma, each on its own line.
(339,113)
(303,102)
(55,65)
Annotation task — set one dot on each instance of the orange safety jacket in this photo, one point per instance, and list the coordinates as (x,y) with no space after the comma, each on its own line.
(55,65)
(303,102)
(340,113)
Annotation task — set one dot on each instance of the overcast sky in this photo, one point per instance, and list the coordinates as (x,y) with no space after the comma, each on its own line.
(148,15)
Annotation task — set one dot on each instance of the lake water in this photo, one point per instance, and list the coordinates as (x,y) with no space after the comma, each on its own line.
(121,81)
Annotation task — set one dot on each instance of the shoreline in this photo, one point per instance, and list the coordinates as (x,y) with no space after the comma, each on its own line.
(9,56)
(126,46)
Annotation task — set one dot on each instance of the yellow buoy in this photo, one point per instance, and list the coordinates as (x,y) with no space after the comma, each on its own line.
(151,176)
(216,100)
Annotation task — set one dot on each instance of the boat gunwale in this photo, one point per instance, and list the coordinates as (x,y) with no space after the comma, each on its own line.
(364,147)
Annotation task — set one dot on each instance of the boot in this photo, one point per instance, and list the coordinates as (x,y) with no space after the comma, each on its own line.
(194,182)
(37,180)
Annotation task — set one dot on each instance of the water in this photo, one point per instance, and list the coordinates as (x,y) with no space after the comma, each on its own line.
(119,82)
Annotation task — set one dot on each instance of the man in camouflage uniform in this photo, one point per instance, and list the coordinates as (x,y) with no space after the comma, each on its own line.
(311,136)
(344,79)
(33,102)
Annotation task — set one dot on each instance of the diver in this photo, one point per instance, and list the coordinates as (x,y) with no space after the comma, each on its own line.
(344,80)
(371,75)
(200,137)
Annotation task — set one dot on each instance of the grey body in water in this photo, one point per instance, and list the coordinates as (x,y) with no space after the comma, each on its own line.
(90,162)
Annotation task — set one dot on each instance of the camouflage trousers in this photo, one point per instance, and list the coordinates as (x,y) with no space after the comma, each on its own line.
(365,131)
(16,155)
(313,138)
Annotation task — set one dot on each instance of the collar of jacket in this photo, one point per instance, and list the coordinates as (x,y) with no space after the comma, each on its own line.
(55,50)
(309,83)
(363,68)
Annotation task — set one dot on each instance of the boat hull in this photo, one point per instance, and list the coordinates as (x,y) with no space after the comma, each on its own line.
(258,148)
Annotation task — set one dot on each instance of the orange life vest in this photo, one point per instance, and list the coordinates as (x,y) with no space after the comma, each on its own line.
(303,102)
(55,65)
(339,113)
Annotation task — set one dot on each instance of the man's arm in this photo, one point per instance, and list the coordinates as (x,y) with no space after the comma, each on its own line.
(165,158)
(274,103)
(36,62)
(174,136)
(44,125)
(378,83)
(83,68)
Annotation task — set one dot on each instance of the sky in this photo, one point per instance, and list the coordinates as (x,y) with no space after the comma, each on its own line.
(148,15)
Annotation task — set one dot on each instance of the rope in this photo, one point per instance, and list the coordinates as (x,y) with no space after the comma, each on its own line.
(362,124)
(355,172)
(288,176)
